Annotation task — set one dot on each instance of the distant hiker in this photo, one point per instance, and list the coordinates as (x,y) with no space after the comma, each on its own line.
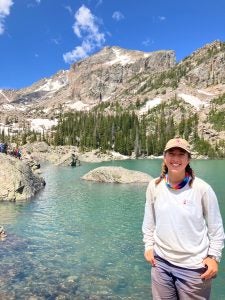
(74,161)
(19,154)
(3,234)
(182,228)
(16,152)
(3,148)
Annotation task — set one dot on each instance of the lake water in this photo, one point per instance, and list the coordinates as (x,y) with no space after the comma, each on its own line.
(82,240)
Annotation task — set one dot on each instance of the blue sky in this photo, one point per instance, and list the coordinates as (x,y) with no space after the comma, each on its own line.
(40,37)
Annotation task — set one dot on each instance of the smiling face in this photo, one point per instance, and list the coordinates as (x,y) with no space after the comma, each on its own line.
(176,160)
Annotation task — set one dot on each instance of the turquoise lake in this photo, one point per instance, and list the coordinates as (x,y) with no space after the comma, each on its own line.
(82,240)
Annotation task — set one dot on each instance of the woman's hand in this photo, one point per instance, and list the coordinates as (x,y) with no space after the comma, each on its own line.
(149,256)
(212,268)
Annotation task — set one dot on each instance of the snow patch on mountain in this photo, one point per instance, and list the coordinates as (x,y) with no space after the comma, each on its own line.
(194,101)
(10,129)
(53,85)
(122,59)
(39,125)
(1,92)
(149,105)
(205,93)
(46,110)
(10,107)
(78,105)
(4,128)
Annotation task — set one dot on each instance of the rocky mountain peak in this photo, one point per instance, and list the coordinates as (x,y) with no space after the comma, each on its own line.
(103,74)
(205,67)
(115,74)
(214,46)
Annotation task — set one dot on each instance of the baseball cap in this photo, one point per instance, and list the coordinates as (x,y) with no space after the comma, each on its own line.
(178,143)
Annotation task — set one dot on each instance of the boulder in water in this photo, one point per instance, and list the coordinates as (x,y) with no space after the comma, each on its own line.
(117,175)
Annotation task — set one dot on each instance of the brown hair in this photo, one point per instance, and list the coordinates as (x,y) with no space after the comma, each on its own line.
(164,171)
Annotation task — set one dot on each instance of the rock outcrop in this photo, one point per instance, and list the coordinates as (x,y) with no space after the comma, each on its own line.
(64,155)
(116,175)
(42,152)
(107,72)
(17,180)
(97,156)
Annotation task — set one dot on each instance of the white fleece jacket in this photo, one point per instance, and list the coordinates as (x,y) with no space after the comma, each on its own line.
(183,226)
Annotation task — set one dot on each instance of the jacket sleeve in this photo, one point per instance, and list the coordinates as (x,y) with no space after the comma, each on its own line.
(214,223)
(148,226)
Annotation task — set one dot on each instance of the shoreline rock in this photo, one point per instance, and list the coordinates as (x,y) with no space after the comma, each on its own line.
(18,182)
(116,175)
(64,155)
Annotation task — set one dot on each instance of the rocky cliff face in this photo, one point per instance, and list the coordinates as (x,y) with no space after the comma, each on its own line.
(102,76)
(118,74)
(99,77)
(127,76)
(205,67)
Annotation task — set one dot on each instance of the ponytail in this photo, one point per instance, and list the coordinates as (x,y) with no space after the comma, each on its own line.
(164,171)
(191,173)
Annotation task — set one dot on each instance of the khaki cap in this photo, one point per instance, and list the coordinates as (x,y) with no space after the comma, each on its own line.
(178,143)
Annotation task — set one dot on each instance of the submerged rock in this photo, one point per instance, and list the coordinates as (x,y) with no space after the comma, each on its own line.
(17,180)
(117,175)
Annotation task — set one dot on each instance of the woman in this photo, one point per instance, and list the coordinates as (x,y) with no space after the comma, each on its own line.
(182,229)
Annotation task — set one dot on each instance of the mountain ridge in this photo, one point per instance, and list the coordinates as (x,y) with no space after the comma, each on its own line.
(142,80)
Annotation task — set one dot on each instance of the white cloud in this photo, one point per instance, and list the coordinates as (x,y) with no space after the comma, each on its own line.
(78,53)
(85,28)
(38,1)
(117,15)
(5,6)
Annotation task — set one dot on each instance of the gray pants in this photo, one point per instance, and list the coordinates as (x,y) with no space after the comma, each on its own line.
(175,283)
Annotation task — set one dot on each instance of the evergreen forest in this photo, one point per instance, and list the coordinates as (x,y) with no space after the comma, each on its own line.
(111,127)
(127,133)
